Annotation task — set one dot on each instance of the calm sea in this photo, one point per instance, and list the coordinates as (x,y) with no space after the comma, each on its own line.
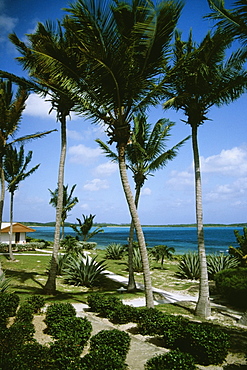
(183,239)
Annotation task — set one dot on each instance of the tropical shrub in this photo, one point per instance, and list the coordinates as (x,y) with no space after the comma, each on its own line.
(137,260)
(240,252)
(25,313)
(149,321)
(103,304)
(123,314)
(173,360)
(37,302)
(64,354)
(189,267)
(8,306)
(76,328)
(114,251)
(84,271)
(219,262)
(102,358)
(58,311)
(19,333)
(232,285)
(160,252)
(115,339)
(88,245)
(4,283)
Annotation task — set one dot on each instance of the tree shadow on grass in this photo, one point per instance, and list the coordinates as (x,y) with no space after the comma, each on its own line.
(22,276)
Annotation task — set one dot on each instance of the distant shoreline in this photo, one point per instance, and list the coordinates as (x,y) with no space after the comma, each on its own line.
(52,224)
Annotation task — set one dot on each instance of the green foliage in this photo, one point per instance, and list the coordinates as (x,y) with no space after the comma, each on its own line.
(240,252)
(37,302)
(25,313)
(4,283)
(58,311)
(149,321)
(122,314)
(232,285)
(64,354)
(160,252)
(219,262)
(77,328)
(102,358)
(70,244)
(103,304)
(115,339)
(189,267)
(19,333)
(84,228)
(137,260)
(8,306)
(84,271)
(62,259)
(173,360)
(114,251)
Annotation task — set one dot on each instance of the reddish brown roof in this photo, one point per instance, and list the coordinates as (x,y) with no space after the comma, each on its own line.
(17,228)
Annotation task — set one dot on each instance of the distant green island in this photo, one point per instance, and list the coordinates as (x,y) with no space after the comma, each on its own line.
(67,224)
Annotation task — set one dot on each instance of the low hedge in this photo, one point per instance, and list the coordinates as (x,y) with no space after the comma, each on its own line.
(58,311)
(232,285)
(173,360)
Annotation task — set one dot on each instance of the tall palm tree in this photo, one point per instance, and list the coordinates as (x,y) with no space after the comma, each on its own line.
(200,78)
(233,21)
(15,166)
(46,43)
(145,154)
(68,202)
(119,50)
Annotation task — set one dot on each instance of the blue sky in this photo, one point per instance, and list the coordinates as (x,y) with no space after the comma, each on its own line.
(167,197)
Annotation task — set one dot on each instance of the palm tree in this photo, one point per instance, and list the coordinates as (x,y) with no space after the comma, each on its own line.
(68,202)
(83,229)
(160,252)
(118,51)
(145,154)
(198,80)
(48,43)
(233,22)
(15,165)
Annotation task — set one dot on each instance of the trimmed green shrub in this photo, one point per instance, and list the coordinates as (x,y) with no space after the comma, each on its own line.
(123,314)
(104,358)
(84,271)
(219,262)
(206,343)
(24,313)
(64,354)
(8,306)
(189,267)
(58,311)
(173,360)
(114,251)
(103,304)
(232,285)
(149,321)
(37,302)
(19,333)
(115,339)
(77,328)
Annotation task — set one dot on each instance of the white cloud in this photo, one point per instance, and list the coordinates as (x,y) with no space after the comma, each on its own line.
(39,107)
(74,135)
(146,191)
(181,179)
(96,185)
(229,162)
(83,154)
(106,169)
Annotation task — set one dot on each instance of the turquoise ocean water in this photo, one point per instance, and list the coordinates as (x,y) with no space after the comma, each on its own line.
(183,239)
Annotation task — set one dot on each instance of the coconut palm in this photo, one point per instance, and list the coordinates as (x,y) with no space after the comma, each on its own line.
(232,21)
(160,252)
(15,166)
(84,228)
(119,50)
(68,203)
(46,43)
(199,79)
(145,154)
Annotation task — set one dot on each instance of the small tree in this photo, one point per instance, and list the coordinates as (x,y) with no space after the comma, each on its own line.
(241,251)
(83,229)
(15,165)
(160,252)
(68,203)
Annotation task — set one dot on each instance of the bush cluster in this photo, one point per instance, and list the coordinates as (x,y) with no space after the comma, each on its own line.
(173,360)
(232,285)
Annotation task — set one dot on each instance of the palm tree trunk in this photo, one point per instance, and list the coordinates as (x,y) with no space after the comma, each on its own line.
(50,286)
(11,256)
(137,225)
(131,280)
(1,203)
(203,305)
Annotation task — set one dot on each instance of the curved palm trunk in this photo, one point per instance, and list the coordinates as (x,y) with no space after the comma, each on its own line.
(137,225)
(11,256)
(131,279)
(50,286)
(203,305)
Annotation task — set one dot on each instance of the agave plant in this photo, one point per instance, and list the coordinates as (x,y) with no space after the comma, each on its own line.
(189,267)
(219,262)
(114,251)
(4,283)
(85,271)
